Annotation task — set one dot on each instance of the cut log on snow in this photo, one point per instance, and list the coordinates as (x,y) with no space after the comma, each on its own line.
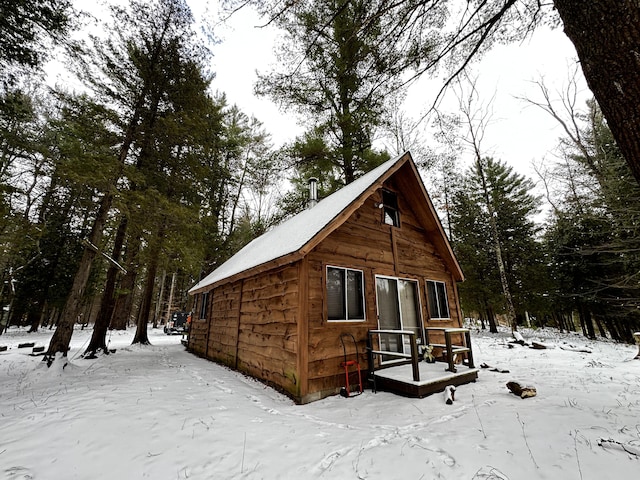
(628,448)
(636,335)
(26,345)
(499,370)
(540,346)
(494,369)
(523,391)
(3,348)
(449,394)
(573,348)
(518,338)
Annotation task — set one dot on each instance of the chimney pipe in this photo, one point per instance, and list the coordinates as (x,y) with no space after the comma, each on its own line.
(313,192)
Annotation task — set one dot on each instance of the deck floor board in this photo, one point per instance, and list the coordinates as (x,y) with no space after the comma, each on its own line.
(433,378)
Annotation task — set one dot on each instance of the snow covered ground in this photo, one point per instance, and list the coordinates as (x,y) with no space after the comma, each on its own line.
(161,413)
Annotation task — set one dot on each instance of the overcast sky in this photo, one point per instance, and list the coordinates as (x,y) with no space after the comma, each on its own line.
(518,133)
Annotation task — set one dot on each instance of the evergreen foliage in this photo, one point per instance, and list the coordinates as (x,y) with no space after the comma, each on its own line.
(594,234)
(337,68)
(26,26)
(514,207)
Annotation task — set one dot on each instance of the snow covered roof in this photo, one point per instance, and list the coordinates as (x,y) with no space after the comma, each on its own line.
(294,234)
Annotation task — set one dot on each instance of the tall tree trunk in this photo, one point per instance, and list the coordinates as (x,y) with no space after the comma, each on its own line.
(601,330)
(170,301)
(71,311)
(141,335)
(606,35)
(491,318)
(613,331)
(511,311)
(586,322)
(124,299)
(107,303)
(159,311)
(33,319)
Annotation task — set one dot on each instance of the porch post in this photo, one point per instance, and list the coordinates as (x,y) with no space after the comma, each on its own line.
(414,358)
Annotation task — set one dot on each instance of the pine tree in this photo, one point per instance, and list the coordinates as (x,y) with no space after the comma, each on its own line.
(338,67)
(496,188)
(594,231)
(128,71)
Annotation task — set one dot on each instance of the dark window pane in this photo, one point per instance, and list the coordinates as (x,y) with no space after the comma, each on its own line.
(354,295)
(432,300)
(203,305)
(442,300)
(437,298)
(390,199)
(335,294)
(390,203)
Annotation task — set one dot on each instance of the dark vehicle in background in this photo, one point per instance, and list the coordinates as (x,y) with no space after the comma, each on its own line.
(177,324)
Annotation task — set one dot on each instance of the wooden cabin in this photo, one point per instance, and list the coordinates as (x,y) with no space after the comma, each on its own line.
(371,256)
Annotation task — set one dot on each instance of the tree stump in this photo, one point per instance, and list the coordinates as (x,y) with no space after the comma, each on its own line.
(636,335)
(523,391)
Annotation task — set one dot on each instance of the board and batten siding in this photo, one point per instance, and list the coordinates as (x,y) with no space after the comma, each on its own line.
(267,335)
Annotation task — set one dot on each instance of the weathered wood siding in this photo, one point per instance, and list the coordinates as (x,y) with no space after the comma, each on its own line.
(198,337)
(215,337)
(365,243)
(199,329)
(267,339)
(251,326)
(223,326)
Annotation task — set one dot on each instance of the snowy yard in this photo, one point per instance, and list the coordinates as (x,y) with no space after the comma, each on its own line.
(161,413)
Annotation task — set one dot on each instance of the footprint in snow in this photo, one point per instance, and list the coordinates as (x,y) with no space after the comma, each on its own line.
(18,473)
(447,459)
(453,416)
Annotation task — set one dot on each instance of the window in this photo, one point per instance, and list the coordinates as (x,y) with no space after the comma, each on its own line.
(438,304)
(203,305)
(391,215)
(345,294)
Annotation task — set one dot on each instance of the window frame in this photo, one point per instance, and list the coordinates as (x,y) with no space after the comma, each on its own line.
(346,295)
(202,311)
(390,211)
(438,300)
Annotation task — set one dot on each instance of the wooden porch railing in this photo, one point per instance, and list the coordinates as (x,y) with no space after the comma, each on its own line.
(407,358)
(449,347)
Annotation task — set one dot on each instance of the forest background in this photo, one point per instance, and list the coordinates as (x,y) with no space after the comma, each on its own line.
(121,188)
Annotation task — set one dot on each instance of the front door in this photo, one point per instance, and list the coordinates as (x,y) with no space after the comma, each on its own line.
(398,309)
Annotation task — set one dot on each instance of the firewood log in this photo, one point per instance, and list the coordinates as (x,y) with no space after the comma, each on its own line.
(523,391)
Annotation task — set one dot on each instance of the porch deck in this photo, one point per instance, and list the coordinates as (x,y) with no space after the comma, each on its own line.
(414,378)
(434,377)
